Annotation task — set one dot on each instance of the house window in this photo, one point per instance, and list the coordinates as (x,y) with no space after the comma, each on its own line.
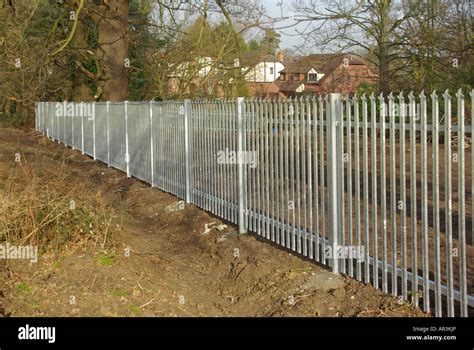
(312,77)
(271,70)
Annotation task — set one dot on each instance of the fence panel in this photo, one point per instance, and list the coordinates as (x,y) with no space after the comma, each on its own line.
(117,149)
(171,147)
(52,121)
(377,187)
(77,132)
(214,169)
(101,144)
(61,127)
(68,131)
(139,140)
(88,129)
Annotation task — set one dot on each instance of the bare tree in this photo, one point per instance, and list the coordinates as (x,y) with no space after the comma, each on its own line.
(440,43)
(25,74)
(369,28)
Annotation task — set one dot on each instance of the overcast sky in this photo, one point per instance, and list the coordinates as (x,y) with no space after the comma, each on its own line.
(290,39)
(277,8)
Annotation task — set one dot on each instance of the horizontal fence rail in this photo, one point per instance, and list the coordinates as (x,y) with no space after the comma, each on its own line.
(376,187)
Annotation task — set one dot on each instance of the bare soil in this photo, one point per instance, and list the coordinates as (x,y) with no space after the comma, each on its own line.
(160,259)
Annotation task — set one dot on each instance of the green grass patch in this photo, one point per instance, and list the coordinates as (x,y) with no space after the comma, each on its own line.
(23,287)
(106,259)
(135,310)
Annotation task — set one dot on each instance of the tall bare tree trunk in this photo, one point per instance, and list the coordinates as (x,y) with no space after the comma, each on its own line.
(113,42)
(383,9)
(81,90)
(384,72)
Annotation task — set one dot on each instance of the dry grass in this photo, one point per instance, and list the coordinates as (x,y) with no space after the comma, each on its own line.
(39,205)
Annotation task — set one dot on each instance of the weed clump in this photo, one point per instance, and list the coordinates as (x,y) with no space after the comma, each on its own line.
(35,209)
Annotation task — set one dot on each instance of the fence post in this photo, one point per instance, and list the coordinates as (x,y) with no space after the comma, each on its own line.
(241,165)
(38,127)
(40,113)
(36,116)
(82,133)
(58,140)
(43,117)
(51,122)
(152,160)
(46,113)
(51,119)
(108,134)
(64,129)
(187,151)
(127,155)
(73,146)
(93,129)
(335,190)
(43,104)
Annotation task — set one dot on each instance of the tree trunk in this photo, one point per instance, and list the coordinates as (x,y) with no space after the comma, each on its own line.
(384,73)
(81,90)
(113,43)
(383,9)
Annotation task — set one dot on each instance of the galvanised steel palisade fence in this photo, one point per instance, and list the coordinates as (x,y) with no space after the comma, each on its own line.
(379,188)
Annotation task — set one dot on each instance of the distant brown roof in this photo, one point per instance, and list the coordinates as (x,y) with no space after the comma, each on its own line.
(322,63)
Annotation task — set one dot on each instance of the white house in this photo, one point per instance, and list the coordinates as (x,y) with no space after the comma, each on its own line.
(264,69)
(198,68)
(259,70)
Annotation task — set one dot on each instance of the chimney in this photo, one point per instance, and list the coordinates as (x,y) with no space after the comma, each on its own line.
(281,56)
